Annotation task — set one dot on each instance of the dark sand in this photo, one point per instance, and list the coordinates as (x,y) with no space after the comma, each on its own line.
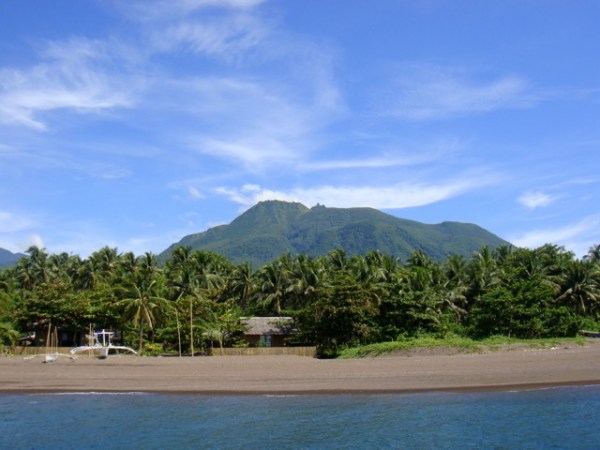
(517,368)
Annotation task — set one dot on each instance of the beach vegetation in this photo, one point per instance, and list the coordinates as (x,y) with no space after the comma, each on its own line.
(454,344)
(341,303)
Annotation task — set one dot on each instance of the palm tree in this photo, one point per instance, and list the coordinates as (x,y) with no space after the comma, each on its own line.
(181,275)
(382,268)
(105,262)
(34,269)
(456,270)
(59,265)
(242,284)
(546,264)
(86,275)
(421,292)
(24,274)
(143,301)
(419,259)
(455,286)
(337,259)
(127,263)
(272,287)
(483,273)
(581,285)
(593,254)
(195,276)
(303,279)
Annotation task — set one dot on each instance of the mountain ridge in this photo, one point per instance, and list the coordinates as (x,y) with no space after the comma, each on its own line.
(8,258)
(272,228)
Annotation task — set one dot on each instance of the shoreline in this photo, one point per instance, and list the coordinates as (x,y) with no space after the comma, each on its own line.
(503,370)
(328,392)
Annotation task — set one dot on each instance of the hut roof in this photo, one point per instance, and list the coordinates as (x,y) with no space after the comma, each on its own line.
(269,326)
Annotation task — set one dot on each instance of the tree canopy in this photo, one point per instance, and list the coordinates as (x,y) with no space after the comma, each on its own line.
(197,298)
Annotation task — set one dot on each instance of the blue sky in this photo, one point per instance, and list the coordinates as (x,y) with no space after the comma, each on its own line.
(132,124)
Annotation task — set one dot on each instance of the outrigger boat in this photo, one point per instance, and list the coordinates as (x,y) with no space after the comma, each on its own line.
(102,344)
(52,353)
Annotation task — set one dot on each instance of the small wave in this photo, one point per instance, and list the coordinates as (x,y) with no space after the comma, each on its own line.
(91,393)
(281,395)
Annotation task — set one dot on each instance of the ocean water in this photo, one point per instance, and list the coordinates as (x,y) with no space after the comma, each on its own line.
(558,418)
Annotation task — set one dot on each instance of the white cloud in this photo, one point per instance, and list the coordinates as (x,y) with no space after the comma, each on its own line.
(425,92)
(252,152)
(409,155)
(37,240)
(254,124)
(226,37)
(195,193)
(19,242)
(402,195)
(217,28)
(79,75)
(578,236)
(536,199)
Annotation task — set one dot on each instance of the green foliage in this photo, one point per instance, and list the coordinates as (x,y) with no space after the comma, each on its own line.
(54,301)
(452,344)
(343,314)
(512,310)
(339,300)
(153,349)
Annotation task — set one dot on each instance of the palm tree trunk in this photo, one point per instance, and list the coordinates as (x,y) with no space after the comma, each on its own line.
(178,332)
(191,328)
(141,336)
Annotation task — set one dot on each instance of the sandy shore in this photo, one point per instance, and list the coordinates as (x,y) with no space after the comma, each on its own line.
(510,369)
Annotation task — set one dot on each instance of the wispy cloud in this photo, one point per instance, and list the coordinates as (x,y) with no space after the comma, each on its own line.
(216,28)
(10,222)
(260,112)
(367,163)
(425,92)
(394,155)
(536,199)
(47,159)
(577,236)
(252,124)
(396,196)
(253,152)
(161,10)
(195,193)
(225,37)
(76,75)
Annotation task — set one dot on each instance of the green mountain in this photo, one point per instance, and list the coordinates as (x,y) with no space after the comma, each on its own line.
(273,228)
(9,259)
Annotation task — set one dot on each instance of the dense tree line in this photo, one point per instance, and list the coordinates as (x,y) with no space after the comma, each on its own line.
(196,299)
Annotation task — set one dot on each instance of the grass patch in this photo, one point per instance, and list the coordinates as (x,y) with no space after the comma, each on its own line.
(453,343)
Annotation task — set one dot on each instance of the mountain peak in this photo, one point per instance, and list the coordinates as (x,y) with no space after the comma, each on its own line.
(274,227)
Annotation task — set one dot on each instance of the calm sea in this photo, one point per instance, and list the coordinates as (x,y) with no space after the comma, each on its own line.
(560,418)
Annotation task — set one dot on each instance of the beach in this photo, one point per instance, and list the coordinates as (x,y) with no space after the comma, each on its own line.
(507,369)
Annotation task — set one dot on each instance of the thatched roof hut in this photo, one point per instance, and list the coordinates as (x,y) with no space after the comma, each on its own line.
(268,331)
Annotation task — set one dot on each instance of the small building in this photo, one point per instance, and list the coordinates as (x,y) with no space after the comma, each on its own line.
(65,336)
(268,331)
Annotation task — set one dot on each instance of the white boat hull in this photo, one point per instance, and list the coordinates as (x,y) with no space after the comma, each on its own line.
(102,350)
(102,345)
